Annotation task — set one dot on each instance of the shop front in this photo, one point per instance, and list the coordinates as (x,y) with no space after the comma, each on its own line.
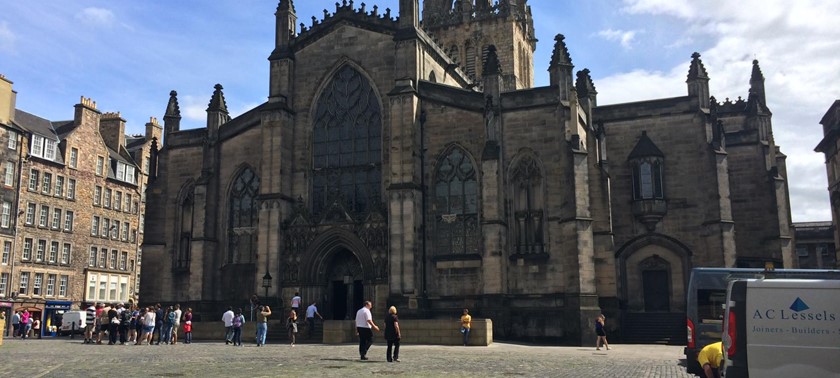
(53,312)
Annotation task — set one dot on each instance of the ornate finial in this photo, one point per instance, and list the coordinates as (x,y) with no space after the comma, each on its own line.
(756,72)
(172,108)
(560,56)
(697,70)
(217,102)
(491,64)
(584,85)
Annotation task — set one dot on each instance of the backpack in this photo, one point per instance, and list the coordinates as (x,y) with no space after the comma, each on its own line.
(172,317)
(237,321)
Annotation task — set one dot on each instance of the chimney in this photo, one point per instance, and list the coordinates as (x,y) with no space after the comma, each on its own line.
(112,129)
(7,101)
(153,129)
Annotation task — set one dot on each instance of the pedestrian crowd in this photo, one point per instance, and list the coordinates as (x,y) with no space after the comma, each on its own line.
(136,325)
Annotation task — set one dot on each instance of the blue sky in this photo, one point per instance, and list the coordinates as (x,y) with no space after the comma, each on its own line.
(128,55)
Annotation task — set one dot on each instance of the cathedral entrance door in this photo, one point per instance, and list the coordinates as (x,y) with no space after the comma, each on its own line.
(346,286)
(657,290)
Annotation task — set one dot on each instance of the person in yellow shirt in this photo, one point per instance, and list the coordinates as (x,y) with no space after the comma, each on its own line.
(466,321)
(709,358)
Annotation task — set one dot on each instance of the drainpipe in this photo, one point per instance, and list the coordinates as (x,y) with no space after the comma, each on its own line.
(18,213)
(423,198)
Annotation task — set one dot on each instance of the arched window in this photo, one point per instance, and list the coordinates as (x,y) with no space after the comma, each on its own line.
(455,207)
(243,218)
(347,147)
(469,52)
(527,181)
(183,256)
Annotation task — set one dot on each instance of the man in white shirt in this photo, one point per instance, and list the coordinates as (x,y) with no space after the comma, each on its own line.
(296,303)
(227,318)
(311,313)
(177,323)
(364,323)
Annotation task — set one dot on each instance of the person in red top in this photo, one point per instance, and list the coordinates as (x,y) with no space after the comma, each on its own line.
(188,326)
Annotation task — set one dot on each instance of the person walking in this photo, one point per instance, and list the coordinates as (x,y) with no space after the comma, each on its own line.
(311,313)
(291,326)
(227,319)
(262,324)
(466,325)
(392,335)
(364,324)
(236,323)
(188,326)
(600,332)
(25,324)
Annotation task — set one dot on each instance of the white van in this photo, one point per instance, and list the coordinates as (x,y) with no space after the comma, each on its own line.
(72,319)
(782,328)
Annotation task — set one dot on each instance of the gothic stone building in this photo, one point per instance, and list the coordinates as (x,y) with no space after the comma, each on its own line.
(415,164)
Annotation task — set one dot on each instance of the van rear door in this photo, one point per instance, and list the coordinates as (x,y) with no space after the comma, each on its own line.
(783,328)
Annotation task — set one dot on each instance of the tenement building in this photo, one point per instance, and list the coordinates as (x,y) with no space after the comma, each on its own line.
(415,164)
(75,204)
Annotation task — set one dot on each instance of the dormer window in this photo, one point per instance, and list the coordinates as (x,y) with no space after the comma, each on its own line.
(125,173)
(42,147)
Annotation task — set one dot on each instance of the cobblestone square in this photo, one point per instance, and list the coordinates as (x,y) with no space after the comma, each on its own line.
(65,358)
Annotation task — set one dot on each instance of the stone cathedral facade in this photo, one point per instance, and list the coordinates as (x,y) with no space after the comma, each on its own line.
(414,163)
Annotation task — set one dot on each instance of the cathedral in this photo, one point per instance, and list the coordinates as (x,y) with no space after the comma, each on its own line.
(407,158)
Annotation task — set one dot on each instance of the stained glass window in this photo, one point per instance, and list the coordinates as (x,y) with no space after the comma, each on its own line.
(455,205)
(243,218)
(527,181)
(347,146)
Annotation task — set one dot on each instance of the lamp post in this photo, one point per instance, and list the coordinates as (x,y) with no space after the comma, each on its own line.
(266,283)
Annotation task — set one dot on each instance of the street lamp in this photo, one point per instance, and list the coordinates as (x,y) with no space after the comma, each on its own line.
(266,283)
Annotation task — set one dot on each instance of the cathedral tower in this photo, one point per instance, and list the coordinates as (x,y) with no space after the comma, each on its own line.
(466,28)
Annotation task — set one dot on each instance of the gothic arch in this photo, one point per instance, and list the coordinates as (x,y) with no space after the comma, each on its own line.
(640,254)
(248,233)
(184,228)
(526,184)
(325,246)
(325,80)
(346,133)
(455,208)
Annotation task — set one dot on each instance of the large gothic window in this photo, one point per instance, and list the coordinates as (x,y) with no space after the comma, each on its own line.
(455,206)
(347,147)
(243,218)
(527,182)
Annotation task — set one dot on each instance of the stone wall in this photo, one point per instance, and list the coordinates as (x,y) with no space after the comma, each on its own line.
(415,331)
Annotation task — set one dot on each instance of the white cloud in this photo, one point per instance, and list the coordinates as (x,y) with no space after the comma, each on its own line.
(795,43)
(7,37)
(96,16)
(625,37)
(194,108)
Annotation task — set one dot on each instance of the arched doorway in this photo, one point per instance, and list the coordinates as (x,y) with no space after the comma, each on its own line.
(345,285)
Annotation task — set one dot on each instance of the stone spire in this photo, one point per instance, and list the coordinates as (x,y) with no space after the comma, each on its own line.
(217,113)
(284,25)
(172,117)
(491,64)
(584,85)
(560,68)
(698,81)
(757,82)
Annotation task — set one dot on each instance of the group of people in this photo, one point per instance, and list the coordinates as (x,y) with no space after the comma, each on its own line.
(234,320)
(24,325)
(136,325)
